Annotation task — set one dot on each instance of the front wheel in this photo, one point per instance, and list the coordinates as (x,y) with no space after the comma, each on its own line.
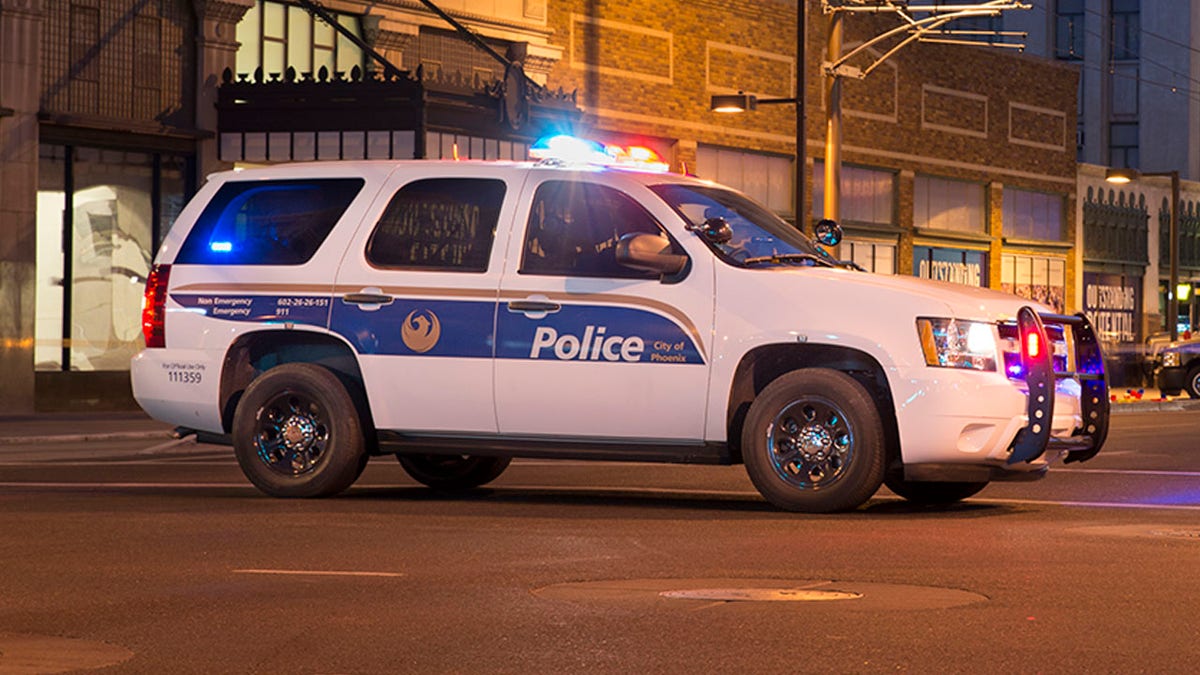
(1192,383)
(453,472)
(813,442)
(932,493)
(297,433)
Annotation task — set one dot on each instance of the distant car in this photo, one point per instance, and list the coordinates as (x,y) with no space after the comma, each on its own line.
(459,314)
(1176,366)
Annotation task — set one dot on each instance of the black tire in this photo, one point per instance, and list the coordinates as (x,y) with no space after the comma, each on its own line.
(841,464)
(453,472)
(297,433)
(1192,384)
(932,493)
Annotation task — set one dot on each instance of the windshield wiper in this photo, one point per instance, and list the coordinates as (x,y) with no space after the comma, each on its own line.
(787,257)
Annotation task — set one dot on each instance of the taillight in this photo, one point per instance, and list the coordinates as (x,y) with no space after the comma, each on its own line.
(154,305)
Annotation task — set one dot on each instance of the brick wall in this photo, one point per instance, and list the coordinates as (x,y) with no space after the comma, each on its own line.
(985,115)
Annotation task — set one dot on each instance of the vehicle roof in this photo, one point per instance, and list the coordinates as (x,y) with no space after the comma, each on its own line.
(383,167)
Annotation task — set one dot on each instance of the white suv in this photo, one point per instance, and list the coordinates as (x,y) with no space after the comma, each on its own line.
(460,314)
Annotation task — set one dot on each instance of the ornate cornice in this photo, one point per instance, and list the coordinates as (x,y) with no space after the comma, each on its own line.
(29,7)
(220,10)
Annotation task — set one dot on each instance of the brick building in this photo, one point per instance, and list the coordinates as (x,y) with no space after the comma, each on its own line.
(959,161)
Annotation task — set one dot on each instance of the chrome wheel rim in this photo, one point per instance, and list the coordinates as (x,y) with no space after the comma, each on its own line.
(292,433)
(811,443)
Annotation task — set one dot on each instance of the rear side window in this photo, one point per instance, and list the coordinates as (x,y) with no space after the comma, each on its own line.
(278,222)
(439,224)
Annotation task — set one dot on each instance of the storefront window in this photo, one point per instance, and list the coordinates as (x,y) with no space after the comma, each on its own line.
(1033,215)
(275,36)
(944,204)
(51,205)
(767,179)
(956,265)
(868,195)
(873,256)
(114,206)
(1113,302)
(1039,278)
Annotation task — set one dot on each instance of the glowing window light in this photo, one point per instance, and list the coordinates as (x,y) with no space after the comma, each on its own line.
(221,246)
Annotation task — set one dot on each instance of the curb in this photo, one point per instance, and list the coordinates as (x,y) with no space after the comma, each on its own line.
(1149,406)
(76,438)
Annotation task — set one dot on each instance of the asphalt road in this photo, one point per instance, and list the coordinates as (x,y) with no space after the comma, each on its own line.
(157,557)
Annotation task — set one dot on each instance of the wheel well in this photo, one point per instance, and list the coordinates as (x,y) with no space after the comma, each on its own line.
(255,353)
(763,365)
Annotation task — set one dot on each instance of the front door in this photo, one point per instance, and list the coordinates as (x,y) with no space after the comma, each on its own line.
(590,348)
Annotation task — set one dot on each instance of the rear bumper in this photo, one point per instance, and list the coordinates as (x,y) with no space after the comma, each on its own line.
(178,386)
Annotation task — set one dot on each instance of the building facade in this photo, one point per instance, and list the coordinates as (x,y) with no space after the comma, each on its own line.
(960,162)
(1138,107)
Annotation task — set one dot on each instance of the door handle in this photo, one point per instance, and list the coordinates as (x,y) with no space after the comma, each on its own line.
(533,306)
(367,299)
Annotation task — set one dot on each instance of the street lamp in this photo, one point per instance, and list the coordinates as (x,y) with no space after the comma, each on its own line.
(742,102)
(1123,176)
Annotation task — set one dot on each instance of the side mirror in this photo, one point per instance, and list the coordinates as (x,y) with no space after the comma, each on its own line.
(715,230)
(650,252)
(827,232)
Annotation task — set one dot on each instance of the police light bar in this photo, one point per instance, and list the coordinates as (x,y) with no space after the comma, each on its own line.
(572,150)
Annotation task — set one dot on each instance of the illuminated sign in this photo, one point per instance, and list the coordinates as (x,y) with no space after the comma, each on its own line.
(1113,303)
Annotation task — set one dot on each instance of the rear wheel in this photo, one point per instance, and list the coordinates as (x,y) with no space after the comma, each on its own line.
(453,472)
(813,442)
(297,433)
(932,493)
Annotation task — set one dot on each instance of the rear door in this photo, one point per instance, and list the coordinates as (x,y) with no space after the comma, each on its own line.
(587,347)
(416,297)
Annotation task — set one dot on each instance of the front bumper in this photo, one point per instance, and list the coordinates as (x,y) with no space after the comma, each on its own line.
(1170,379)
(958,425)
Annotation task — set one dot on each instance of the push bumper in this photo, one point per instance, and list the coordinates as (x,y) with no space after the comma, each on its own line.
(1035,440)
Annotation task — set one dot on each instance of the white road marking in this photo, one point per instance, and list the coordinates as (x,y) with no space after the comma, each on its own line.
(1132,472)
(322,573)
(695,494)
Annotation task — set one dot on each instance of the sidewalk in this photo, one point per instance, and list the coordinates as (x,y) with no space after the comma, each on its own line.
(74,427)
(114,426)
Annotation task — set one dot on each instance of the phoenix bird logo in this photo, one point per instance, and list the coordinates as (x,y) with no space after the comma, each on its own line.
(421,330)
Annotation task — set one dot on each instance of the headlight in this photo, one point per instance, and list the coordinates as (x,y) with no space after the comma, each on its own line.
(1170,359)
(950,343)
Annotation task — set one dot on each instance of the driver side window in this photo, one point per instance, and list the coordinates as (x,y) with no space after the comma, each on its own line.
(574,227)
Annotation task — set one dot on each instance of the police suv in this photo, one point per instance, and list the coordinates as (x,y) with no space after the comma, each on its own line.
(460,314)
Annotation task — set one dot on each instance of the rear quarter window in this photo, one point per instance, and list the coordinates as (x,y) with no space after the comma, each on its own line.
(277,222)
(438,224)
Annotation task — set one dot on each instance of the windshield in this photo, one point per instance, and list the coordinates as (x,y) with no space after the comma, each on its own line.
(760,238)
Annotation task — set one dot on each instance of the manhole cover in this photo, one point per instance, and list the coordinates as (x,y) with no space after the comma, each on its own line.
(729,592)
(760,595)
(42,654)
